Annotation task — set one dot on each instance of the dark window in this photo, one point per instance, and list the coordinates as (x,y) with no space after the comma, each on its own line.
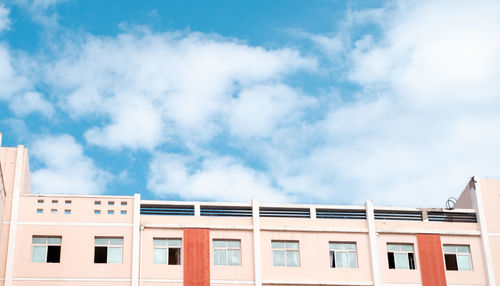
(411,260)
(53,254)
(174,256)
(101,254)
(451,261)
(332,259)
(392,264)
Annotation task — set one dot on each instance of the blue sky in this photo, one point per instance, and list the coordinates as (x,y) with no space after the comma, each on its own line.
(291,101)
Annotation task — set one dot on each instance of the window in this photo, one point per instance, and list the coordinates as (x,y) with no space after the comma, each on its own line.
(400,256)
(67,211)
(167,251)
(227,252)
(68,202)
(123,212)
(39,211)
(285,253)
(457,257)
(40,201)
(54,201)
(46,249)
(97,203)
(108,250)
(97,211)
(343,255)
(111,203)
(54,211)
(111,211)
(124,203)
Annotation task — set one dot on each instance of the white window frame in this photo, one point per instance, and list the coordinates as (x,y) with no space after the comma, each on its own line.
(344,247)
(170,243)
(229,247)
(402,251)
(457,253)
(45,245)
(287,251)
(110,244)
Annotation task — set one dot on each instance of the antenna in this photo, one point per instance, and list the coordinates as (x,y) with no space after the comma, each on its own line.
(450,203)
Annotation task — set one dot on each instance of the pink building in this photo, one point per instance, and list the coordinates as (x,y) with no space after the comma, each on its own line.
(123,240)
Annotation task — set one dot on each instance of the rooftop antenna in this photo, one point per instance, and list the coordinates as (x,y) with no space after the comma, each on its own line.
(450,203)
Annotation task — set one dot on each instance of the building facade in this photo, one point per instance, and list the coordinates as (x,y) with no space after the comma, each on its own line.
(123,240)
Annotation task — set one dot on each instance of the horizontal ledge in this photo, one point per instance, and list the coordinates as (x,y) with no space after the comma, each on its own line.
(427,231)
(108,224)
(278,282)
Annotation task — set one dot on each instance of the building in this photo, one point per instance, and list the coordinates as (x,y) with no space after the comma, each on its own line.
(123,240)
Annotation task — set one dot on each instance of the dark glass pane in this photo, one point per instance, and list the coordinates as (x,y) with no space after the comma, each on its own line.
(451,261)
(53,254)
(332,259)
(174,256)
(390,257)
(101,254)
(411,261)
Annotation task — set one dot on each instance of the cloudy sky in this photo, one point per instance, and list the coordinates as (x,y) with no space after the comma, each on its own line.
(291,101)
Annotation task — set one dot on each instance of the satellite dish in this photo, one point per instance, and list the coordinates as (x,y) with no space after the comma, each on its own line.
(450,203)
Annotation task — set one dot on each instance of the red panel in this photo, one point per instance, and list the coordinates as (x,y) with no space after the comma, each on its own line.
(431,260)
(196,257)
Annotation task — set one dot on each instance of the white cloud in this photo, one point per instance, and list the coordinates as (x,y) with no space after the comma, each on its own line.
(30,102)
(216,178)
(179,83)
(259,110)
(11,81)
(4,18)
(425,120)
(66,169)
(41,12)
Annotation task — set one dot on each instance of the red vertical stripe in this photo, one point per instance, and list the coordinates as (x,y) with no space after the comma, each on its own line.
(431,260)
(196,257)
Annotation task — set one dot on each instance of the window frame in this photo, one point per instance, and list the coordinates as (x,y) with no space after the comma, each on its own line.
(286,251)
(456,253)
(167,247)
(411,263)
(109,245)
(343,250)
(226,249)
(46,245)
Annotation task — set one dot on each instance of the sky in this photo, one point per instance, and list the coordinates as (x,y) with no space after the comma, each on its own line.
(328,102)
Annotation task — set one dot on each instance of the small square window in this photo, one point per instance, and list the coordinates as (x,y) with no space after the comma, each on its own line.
(227,252)
(46,249)
(123,203)
(343,255)
(457,257)
(97,203)
(167,251)
(55,201)
(40,201)
(108,249)
(39,211)
(285,253)
(111,211)
(400,256)
(123,212)
(68,202)
(53,211)
(97,211)
(111,203)
(67,211)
